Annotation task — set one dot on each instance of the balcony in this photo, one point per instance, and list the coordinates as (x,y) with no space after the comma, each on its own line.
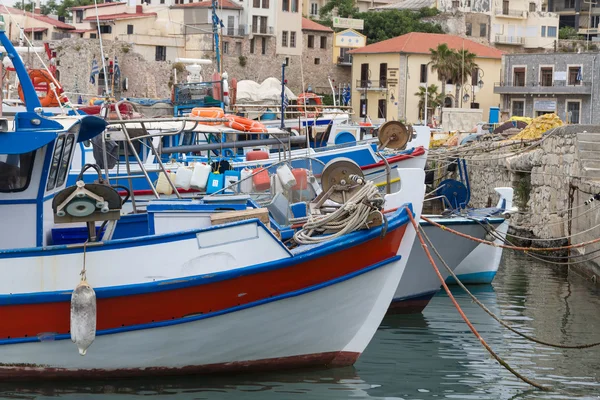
(514,40)
(558,87)
(241,30)
(591,31)
(372,85)
(262,30)
(345,60)
(504,13)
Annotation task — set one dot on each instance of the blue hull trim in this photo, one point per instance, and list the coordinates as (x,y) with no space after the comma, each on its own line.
(218,313)
(474,278)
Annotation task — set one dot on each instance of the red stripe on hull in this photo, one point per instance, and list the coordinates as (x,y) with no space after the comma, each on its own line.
(419,151)
(330,359)
(411,306)
(29,320)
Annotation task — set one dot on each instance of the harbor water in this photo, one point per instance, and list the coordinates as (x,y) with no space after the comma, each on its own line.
(425,356)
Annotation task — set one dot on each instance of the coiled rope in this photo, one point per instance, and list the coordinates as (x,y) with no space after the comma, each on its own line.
(462,314)
(494,316)
(352,215)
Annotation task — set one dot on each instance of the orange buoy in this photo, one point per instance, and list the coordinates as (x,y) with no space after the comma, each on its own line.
(208,112)
(257,155)
(261,180)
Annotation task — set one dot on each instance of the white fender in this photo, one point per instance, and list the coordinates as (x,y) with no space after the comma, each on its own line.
(83,316)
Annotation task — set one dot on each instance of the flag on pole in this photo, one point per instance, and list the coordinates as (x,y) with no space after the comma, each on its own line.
(95,71)
(286,101)
(346,95)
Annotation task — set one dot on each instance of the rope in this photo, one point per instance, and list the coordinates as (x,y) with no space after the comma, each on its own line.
(462,314)
(102,51)
(83,270)
(351,216)
(491,314)
(573,246)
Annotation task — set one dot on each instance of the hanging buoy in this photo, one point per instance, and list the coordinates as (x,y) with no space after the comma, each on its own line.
(83,316)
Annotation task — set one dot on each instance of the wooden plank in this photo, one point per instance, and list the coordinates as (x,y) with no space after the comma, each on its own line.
(231,216)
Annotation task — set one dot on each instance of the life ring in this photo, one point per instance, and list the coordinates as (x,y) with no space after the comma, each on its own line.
(208,112)
(41,80)
(244,124)
(310,100)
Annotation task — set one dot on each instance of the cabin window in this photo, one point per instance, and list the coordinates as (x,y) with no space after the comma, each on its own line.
(56,157)
(63,168)
(15,171)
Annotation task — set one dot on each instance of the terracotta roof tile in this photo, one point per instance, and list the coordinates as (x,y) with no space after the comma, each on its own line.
(420,43)
(112,17)
(42,18)
(35,29)
(226,4)
(310,25)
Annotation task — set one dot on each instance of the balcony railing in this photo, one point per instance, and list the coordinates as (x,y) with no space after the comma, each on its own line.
(346,59)
(262,30)
(241,30)
(557,87)
(516,40)
(502,12)
(372,85)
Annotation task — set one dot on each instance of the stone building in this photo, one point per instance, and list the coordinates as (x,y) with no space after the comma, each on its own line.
(567,84)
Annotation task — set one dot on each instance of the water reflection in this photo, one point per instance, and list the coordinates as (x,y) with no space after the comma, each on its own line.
(428,356)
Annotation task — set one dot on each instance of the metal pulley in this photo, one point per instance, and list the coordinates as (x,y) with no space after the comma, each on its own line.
(394,135)
(341,179)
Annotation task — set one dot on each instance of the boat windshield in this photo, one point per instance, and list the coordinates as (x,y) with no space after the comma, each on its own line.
(15,171)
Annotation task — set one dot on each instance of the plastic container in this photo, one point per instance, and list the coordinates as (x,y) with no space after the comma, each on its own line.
(163,186)
(276,185)
(301,176)
(200,176)
(286,178)
(257,155)
(215,183)
(261,180)
(246,183)
(183,178)
(231,177)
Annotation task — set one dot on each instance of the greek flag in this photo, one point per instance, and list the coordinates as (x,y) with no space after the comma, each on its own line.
(346,95)
(95,71)
(117,70)
(579,76)
(286,101)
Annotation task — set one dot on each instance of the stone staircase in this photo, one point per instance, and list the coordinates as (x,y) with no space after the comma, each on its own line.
(589,154)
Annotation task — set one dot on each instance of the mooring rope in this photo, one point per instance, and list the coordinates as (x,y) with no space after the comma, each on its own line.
(462,314)
(494,316)
(572,246)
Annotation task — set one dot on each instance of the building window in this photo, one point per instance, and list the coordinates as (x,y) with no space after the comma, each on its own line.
(162,1)
(575,75)
(295,6)
(265,3)
(311,41)
(505,7)
(230,25)
(263,24)
(519,76)
(105,29)
(285,5)
(252,46)
(531,7)
(364,75)
(552,31)
(482,30)
(475,77)
(255,24)
(93,36)
(595,21)
(292,39)
(423,74)
(546,78)
(469,29)
(284,39)
(256,4)
(317,61)
(78,16)
(130,29)
(264,46)
(518,108)
(161,53)
(225,47)
(569,3)
(238,48)
(383,75)
(455,3)
(573,111)
(314,9)
(543,31)
(382,108)
(323,42)
(38,35)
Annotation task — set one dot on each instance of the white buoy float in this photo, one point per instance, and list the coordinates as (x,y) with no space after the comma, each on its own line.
(83,316)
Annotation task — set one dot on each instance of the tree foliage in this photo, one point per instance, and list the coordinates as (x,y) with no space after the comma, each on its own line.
(434,100)
(567,32)
(454,65)
(343,8)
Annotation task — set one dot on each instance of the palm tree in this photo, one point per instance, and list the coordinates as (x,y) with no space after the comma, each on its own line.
(463,66)
(442,61)
(434,100)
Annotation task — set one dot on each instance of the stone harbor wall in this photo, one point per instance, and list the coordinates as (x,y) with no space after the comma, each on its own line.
(461,119)
(551,184)
(74,63)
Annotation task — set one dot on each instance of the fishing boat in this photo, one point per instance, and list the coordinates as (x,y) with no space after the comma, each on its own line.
(214,291)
